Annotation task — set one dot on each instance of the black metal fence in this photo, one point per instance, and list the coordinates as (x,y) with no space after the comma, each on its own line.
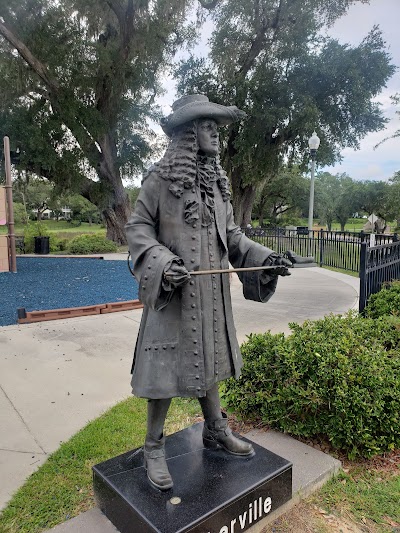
(335,249)
(375,258)
(378,265)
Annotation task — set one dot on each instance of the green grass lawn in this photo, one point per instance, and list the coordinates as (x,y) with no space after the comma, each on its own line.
(62,228)
(369,496)
(62,487)
(353,224)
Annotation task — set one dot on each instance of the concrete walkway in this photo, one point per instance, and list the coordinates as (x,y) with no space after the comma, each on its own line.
(56,376)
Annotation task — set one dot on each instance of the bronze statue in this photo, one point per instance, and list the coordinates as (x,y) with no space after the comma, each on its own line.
(183,222)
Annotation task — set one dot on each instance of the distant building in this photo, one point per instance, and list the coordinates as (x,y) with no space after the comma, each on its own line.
(48,214)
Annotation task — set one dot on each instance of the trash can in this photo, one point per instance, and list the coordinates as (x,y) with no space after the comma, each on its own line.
(42,245)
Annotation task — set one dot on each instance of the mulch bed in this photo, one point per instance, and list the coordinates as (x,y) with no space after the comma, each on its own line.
(43,284)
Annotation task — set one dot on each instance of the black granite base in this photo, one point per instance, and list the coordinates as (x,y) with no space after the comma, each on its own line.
(218,492)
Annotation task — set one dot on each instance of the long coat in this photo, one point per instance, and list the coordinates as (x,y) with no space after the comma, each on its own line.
(168,358)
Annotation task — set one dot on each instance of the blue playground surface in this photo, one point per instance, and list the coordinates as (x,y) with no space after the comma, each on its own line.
(53,283)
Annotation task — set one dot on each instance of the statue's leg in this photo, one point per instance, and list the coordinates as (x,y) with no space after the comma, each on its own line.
(154,446)
(216,432)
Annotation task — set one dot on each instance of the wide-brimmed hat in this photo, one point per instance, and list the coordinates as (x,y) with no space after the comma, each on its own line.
(196,106)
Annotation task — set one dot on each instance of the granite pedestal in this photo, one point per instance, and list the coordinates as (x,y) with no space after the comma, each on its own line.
(214,492)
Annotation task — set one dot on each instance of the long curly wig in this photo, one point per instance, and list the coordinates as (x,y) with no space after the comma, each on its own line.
(179,163)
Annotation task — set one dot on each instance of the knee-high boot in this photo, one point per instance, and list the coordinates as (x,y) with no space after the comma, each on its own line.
(154,446)
(216,432)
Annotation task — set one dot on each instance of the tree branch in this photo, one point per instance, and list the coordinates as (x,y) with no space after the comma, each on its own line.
(116,7)
(257,45)
(25,53)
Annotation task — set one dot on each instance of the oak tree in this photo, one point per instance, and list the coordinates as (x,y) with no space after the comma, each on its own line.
(79,79)
(270,59)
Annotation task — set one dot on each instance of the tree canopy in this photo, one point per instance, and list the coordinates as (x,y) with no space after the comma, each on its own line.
(78,80)
(268,57)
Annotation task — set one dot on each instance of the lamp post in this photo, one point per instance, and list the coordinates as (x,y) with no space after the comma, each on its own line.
(313,143)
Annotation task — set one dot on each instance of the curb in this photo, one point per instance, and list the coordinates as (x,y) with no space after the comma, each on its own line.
(27,317)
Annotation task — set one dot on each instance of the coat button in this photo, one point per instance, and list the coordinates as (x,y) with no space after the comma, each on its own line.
(164,347)
(194,226)
(143,287)
(156,347)
(173,347)
(191,282)
(192,294)
(193,249)
(149,267)
(197,377)
(154,257)
(196,352)
(193,317)
(194,329)
(196,365)
(193,237)
(192,260)
(193,306)
(195,341)
(160,249)
(198,388)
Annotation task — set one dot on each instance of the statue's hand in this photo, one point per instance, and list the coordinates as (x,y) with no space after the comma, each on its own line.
(282,269)
(176,275)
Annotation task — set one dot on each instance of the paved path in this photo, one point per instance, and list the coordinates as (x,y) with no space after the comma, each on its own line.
(56,376)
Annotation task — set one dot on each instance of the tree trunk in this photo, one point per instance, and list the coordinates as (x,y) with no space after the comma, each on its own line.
(242,200)
(117,212)
(116,218)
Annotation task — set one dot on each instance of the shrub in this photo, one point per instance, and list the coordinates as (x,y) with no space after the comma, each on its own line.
(31,231)
(57,244)
(338,377)
(384,302)
(91,244)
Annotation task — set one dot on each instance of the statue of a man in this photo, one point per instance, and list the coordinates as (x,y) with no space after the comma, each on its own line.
(183,222)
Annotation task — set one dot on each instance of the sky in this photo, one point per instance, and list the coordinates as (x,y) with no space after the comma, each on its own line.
(369,163)
(366,163)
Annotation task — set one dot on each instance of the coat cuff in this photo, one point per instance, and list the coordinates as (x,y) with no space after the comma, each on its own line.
(253,288)
(151,290)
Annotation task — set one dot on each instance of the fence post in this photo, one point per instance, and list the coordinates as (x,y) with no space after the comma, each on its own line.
(321,247)
(395,237)
(363,275)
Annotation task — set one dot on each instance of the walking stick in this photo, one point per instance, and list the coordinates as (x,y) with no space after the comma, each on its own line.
(229,270)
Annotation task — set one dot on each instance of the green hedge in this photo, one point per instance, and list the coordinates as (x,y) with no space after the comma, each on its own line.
(338,377)
(91,244)
(385,302)
(31,231)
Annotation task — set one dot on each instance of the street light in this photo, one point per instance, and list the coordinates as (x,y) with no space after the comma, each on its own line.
(313,143)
